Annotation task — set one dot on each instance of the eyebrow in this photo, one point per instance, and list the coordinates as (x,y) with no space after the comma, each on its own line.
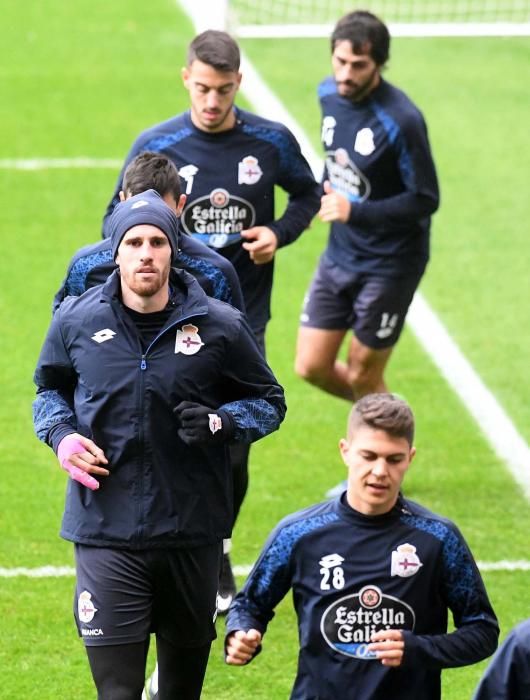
(215,87)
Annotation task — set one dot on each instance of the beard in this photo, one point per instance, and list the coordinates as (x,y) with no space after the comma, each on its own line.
(146,285)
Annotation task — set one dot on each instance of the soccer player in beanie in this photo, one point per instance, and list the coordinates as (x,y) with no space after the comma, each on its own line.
(142,383)
(230,161)
(373,577)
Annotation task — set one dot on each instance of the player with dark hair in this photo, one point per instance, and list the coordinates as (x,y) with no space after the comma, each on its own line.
(230,161)
(380,190)
(142,383)
(93,263)
(373,577)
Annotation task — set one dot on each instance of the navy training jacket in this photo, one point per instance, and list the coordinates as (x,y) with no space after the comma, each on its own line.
(93,378)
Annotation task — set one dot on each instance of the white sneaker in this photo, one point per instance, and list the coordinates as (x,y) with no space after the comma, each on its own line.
(227,586)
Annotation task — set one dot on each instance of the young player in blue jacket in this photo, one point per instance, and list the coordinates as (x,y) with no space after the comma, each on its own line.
(231,161)
(142,384)
(373,577)
(93,263)
(380,190)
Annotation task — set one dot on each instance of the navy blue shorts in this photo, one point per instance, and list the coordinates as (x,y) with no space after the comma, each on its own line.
(122,595)
(373,307)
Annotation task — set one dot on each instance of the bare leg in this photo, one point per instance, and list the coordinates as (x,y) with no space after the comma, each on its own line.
(365,368)
(317,363)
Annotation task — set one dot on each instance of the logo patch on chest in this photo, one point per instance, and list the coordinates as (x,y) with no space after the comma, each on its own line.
(345,177)
(349,623)
(248,171)
(364,142)
(218,218)
(405,561)
(188,340)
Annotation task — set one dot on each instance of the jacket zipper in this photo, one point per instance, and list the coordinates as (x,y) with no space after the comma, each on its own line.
(141,417)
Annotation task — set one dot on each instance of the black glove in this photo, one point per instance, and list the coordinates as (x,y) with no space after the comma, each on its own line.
(199,424)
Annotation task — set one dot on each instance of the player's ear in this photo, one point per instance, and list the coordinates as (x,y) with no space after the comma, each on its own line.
(412,454)
(185,75)
(238,79)
(344,447)
(122,196)
(180,204)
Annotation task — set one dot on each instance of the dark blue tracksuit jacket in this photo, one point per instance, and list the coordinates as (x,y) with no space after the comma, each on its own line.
(93,378)
(377,154)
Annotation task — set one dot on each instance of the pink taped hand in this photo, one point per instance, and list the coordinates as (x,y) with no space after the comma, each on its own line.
(69,446)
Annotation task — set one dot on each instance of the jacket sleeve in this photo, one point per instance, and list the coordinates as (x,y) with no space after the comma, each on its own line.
(477,631)
(268,583)
(420,197)
(508,674)
(296,178)
(53,412)
(259,406)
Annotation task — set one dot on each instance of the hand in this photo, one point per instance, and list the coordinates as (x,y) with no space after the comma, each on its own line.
(241,647)
(200,424)
(333,206)
(262,245)
(80,456)
(389,646)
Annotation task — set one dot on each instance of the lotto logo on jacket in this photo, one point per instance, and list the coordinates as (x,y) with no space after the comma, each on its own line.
(349,623)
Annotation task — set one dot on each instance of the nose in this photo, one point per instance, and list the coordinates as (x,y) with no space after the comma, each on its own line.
(345,73)
(146,251)
(379,468)
(212,99)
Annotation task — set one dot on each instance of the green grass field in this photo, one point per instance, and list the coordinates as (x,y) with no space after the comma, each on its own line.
(82,79)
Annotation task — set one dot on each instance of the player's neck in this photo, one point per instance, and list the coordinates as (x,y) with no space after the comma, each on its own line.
(145,304)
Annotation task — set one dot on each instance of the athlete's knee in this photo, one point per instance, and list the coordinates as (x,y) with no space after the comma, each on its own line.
(365,379)
(310,368)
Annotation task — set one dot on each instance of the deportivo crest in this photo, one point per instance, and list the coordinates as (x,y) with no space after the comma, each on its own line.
(364,142)
(345,177)
(85,607)
(215,423)
(349,623)
(218,218)
(248,171)
(188,340)
(405,561)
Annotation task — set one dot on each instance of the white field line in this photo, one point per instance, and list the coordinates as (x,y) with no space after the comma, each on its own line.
(241,570)
(494,422)
(60,163)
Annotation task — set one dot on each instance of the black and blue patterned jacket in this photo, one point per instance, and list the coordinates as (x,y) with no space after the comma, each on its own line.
(352,575)
(93,378)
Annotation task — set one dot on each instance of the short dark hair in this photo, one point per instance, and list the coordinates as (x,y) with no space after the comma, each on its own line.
(366,33)
(385,412)
(151,171)
(216,49)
